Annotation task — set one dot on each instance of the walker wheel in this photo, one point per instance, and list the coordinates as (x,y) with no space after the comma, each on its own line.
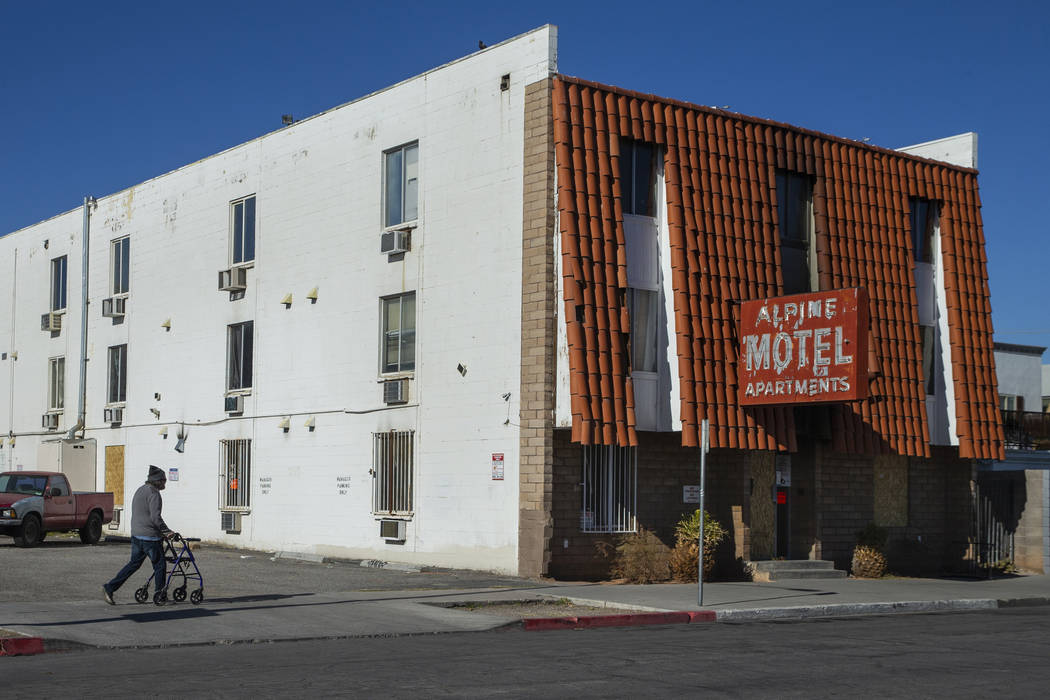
(197,596)
(160,597)
(179,594)
(141,595)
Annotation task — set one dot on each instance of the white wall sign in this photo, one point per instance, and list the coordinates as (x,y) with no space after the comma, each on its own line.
(264,485)
(497,466)
(691,493)
(342,485)
(173,474)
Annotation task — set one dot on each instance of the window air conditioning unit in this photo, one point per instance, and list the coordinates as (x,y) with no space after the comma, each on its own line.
(113,307)
(393,242)
(51,321)
(234,404)
(395,391)
(233,280)
(113,415)
(230,521)
(392,530)
(49,421)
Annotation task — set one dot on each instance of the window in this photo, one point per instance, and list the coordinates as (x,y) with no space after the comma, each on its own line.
(610,489)
(399,333)
(929,363)
(643,306)
(401,194)
(242,234)
(119,255)
(118,374)
(239,356)
(637,177)
(923,221)
(58,284)
(1011,402)
(235,470)
(392,458)
(56,383)
(795,218)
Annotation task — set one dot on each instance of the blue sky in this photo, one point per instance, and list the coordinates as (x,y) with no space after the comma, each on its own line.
(99,96)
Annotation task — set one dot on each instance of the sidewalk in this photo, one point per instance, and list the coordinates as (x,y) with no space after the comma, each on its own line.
(346,600)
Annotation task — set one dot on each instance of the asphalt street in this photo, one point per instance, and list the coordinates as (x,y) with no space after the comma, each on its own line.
(1000,653)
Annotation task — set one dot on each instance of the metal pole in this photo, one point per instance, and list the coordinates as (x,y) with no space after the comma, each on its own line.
(700,546)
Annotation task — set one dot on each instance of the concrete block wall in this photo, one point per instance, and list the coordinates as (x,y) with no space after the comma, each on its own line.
(538,320)
(664,467)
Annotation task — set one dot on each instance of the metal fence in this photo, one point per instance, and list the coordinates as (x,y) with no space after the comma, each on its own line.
(1026,430)
(610,489)
(392,472)
(992,524)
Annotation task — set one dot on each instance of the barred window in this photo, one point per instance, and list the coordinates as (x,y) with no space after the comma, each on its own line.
(235,474)
(610,489)
(392,472)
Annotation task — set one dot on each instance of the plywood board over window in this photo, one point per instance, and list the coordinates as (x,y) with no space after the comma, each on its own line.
(115,473)
(891,491)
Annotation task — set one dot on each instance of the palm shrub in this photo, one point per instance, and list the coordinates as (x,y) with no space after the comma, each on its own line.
(686,550)
(636,557)
(869,558)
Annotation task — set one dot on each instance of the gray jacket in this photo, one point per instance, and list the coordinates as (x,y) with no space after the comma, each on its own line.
(145,513)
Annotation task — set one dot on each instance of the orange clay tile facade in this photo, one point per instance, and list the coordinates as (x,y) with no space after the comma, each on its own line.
(719,175)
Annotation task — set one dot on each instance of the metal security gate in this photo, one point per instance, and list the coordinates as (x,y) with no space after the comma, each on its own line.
(993,523)
(392,472)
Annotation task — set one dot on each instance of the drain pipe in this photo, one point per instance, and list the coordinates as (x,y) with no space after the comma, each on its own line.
(89,202)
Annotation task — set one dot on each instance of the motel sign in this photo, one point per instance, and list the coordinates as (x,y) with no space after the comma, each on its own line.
(804,348)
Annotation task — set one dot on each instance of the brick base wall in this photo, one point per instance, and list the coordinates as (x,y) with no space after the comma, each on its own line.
(832,498)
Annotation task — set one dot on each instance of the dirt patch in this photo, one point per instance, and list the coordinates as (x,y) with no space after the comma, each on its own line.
(536,608)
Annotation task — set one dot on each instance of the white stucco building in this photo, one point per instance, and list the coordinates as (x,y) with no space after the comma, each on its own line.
(283,383)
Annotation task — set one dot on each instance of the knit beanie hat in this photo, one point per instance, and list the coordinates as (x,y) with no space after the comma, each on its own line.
(156,474)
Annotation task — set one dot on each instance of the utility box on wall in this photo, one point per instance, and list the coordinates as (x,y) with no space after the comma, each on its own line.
(74,458)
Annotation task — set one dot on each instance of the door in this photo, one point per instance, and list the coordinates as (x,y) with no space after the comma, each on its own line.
(782,506)
(783,523)
(115,480)
(59,505)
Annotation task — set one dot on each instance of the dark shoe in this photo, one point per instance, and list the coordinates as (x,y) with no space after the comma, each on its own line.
(107,596)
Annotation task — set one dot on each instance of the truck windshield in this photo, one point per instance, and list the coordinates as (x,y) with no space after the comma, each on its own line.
(21,483)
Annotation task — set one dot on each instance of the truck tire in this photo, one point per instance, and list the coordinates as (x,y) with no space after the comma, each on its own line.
(29,534)
(92,530)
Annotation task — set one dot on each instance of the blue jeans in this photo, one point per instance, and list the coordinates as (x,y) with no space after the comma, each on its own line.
(140,549)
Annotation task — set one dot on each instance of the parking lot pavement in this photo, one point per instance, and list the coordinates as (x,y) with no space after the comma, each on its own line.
(64,569)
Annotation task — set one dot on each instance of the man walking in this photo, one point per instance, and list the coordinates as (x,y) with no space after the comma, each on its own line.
(148,530)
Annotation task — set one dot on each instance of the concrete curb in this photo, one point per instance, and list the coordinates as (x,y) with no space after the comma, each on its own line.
(598,603)
(852,609)
(627,620)
(21,646)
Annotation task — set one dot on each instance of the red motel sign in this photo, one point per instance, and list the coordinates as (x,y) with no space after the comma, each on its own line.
(804,348)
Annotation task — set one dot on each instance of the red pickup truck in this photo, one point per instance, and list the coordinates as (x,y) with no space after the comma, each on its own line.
(35,503)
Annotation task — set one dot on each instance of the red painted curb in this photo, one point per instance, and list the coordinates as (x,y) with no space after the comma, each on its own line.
(21,646)
(626,620)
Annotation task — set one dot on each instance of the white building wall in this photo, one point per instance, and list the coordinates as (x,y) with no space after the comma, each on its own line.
(1018,374)
(318,185)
